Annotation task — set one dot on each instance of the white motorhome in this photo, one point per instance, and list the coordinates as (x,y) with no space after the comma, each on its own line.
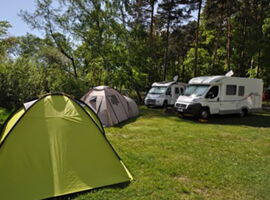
(209,95)
(164,93)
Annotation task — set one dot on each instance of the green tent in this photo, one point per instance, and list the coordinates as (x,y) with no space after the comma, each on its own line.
(55,146)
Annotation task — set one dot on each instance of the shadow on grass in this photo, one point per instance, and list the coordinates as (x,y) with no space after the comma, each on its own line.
(157,112)
(126,122)
(148,113)
(77,194)
(255,120)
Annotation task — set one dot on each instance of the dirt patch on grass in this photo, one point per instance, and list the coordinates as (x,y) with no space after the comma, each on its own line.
(183,179)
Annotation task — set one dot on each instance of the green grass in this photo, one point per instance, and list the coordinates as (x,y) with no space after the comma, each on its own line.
(173,158)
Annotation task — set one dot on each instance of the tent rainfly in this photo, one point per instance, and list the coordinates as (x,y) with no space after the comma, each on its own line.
(55,146)
(110,106)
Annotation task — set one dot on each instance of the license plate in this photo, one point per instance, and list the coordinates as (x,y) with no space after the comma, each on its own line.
(180,109)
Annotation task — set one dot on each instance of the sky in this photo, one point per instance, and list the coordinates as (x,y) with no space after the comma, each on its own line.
(9,11)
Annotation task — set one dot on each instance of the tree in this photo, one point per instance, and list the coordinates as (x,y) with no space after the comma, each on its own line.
(172,13)
(197,36)
(47,18)
(6,42)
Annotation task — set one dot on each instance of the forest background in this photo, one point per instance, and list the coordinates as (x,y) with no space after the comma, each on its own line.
(130,44)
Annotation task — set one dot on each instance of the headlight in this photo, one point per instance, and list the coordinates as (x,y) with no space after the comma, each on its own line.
(196,100)
(161,96)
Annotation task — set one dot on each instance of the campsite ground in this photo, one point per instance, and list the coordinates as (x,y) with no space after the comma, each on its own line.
(175,158)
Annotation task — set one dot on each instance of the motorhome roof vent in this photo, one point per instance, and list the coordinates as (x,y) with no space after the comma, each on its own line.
(229,73)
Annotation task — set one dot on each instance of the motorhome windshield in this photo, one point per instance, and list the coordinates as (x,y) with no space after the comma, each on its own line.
(197,90)
(158,90)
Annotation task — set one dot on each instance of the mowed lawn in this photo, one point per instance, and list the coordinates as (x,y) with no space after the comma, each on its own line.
(174,158)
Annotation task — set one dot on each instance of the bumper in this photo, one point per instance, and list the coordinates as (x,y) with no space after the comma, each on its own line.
(153,102)
(191,109)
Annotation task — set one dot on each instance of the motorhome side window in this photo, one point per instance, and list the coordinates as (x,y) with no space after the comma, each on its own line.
(181,90)
(176,91)
(231,90)
(241,90)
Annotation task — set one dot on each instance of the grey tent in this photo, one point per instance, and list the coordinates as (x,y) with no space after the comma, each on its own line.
(133,110)
(110,106)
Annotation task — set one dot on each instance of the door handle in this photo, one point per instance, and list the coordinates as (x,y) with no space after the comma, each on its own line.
(217,99)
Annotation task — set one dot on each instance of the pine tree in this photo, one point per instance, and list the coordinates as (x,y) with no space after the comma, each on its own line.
(171,14)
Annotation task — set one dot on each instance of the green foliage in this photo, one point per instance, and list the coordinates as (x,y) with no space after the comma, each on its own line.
(4,25)
(128,45)
(20,81)
(3,116)
(266,27)
(5,42)
(204,62)
(38,68)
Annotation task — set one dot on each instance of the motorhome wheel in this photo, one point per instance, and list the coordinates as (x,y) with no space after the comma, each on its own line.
(243,112)
(204,113)
(165,104)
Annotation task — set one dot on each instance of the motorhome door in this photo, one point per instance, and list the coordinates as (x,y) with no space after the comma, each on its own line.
(169,95)
(213,99)
(176,91)
(229,99)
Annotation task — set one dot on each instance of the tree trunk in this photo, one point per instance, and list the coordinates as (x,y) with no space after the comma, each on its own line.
(260,35)
(214,57)
(139,96)
(242,54)
(61,49)
(258,65)
(167,46)
(197,39)
(228,45)
(151,75)
(152,2)
(178,64)
(183,70)
(216,47)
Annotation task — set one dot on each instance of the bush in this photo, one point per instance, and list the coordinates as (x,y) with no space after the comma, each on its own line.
(19,81)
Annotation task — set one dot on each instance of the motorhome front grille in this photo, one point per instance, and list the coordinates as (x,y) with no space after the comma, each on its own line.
(180,105)
(151,100)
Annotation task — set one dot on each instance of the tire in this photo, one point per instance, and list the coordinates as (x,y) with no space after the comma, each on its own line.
(165,104)
(243,112)
(204,114)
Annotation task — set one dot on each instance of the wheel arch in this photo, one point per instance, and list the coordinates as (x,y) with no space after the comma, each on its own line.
(245,109)
(206,107)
